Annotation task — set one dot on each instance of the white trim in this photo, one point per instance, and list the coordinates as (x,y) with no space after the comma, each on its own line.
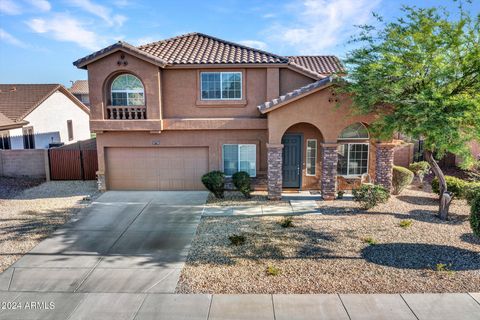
(238,157)
(307,160)
(348,160)
(221,89)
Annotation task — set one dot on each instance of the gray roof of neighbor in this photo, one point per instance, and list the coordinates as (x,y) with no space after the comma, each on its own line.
(266,106)
(199,48)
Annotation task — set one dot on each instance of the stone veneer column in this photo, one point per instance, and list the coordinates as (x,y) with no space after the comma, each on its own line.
(384,164)
(274,160)
(329,170)
(101,184)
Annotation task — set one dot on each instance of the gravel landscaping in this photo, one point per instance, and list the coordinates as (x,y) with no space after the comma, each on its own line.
(397,247)
(236,198)
(32,214)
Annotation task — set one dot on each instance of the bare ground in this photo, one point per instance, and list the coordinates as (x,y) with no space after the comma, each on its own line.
(28,215)
(330,253)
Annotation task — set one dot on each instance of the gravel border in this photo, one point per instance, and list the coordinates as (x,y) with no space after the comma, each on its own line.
(342,250)
(236,198)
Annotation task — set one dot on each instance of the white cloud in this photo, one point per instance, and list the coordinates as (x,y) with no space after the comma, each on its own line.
(100,11)
(254,44)
(269,15)
(320,25)
(9,7)
(144,40)
(41,5)
(8,38)
(63,27)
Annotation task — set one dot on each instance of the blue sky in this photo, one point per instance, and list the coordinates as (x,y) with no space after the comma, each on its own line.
(39,39)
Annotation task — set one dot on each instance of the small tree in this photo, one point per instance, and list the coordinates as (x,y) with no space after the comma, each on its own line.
(421,75)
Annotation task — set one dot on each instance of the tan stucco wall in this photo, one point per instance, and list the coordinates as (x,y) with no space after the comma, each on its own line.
(291,80)
(102,72)
(213,139)
(181,93)
(315,109)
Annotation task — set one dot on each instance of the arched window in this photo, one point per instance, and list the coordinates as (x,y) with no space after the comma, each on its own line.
(355,131)
(127,90)
(353,156)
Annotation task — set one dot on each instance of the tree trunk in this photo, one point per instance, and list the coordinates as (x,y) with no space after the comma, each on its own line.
(445,196)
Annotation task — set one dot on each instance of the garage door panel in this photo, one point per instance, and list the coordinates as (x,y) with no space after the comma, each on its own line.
(156,168)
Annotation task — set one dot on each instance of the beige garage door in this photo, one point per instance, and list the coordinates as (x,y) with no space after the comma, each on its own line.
(155,168)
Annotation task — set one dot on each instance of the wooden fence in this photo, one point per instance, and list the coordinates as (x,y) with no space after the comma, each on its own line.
(72,164)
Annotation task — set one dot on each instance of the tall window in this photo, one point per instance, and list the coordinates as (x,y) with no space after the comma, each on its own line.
(352,159)
(5,140)
(70,130)
(311,157)
(28,138)
(127,90)
(221,85)
(240,157)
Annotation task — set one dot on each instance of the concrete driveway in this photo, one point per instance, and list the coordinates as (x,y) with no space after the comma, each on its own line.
(125,242)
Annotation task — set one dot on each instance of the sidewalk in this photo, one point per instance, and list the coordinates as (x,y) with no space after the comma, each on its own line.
(141,306)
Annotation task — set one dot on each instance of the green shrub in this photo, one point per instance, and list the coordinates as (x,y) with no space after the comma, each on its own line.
(237,240)
(370,195)
(402,177)
(214,181)
(273,271)
(241,181)
(405,224)
(475,216)
(340,194)
(461,189)
(370,240)
(420,169)
(287,222)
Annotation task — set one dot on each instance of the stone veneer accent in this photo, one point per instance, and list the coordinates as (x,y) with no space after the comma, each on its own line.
(384,164)
(274,159)
(329,171)
(101,184)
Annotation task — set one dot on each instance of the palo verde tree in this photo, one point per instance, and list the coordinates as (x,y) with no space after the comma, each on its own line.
(420,74)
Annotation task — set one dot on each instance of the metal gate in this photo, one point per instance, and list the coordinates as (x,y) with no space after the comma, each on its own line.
(72,164)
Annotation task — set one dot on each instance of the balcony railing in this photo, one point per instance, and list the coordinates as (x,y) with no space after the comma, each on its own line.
(126,113)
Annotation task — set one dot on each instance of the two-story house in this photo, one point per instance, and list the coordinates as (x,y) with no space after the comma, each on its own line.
(167,112)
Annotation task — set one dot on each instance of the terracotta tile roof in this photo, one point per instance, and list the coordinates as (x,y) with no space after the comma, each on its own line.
(321,65)
(79,87)
(269,105)
(199,48)
(18,100)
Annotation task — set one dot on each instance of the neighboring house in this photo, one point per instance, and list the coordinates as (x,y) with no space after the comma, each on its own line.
(80,90)
(167,112)
(35,116)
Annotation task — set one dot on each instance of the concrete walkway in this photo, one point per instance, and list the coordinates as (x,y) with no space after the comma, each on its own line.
(142,306)
(124,242)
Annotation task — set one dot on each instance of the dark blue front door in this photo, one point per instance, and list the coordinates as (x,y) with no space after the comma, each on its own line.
(292,153)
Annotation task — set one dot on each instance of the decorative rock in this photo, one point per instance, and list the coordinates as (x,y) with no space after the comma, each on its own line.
(274,159)
(329,171)
(384,165)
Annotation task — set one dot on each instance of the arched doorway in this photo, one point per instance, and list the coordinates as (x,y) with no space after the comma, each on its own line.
(301,160)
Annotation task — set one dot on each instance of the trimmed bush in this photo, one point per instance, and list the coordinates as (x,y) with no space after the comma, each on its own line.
(241,181)
(461,189)
(370,195)
(475,216)
(214,181)
(402,177)
(420,169)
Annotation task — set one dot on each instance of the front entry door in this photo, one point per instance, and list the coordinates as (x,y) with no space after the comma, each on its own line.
(292,154)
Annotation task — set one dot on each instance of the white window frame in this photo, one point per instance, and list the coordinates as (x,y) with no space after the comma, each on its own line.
(348,159)
(221,88)
(308,160)
(350,139)
(238,158)
(127,92)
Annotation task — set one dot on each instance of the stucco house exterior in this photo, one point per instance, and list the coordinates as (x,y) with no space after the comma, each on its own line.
(36,116)
(79,89)
(167,112)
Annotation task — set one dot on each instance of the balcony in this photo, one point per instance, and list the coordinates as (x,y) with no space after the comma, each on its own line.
(126,113)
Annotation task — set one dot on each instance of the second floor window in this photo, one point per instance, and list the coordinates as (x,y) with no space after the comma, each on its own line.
(221,85)
(127,90)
